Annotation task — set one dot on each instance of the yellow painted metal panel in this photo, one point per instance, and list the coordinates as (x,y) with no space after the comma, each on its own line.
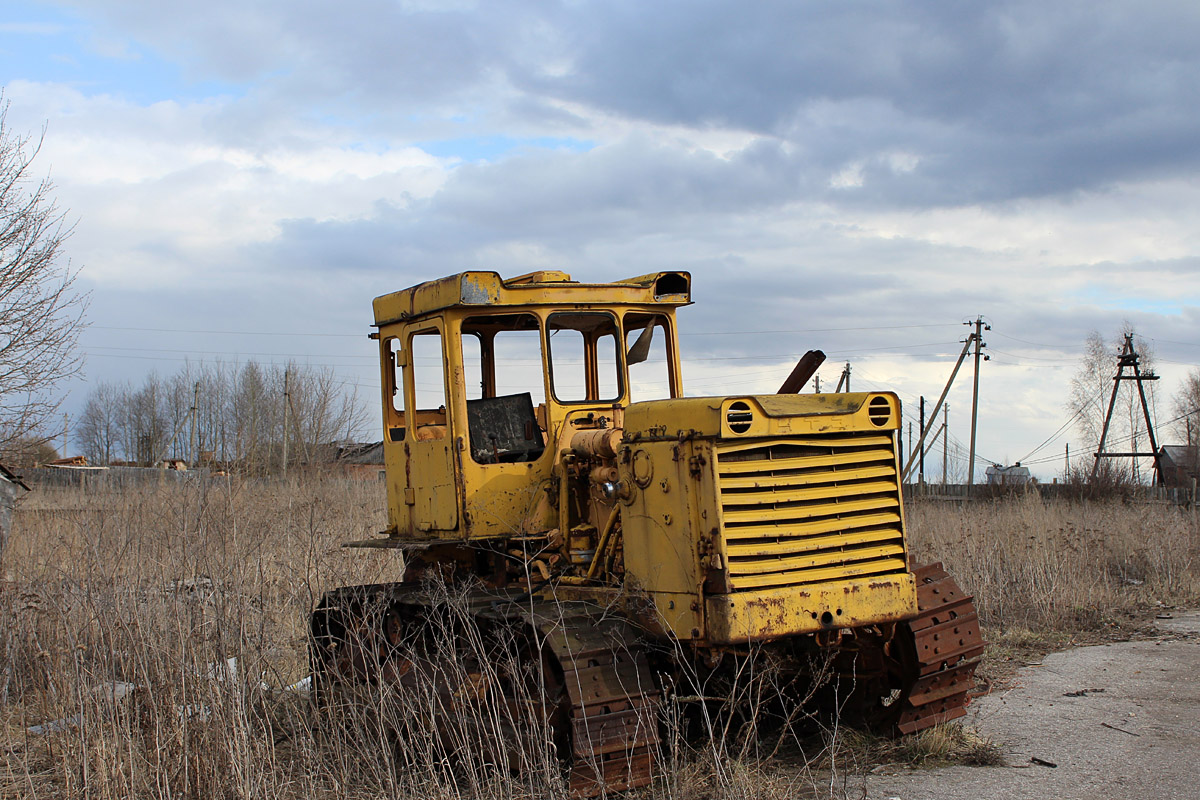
(789,495)
(775,530)
(824,441)
(801,544)
(785,405)
(807,478)
(818,575)
(659,524)
(804,562)
(473,289)
(436,496)
(768,614)
(806,416)
(807,512)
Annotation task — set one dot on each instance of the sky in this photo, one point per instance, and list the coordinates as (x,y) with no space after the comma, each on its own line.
(856,177)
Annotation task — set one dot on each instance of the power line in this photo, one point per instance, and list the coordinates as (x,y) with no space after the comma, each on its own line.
(360,335)
(817,330)
(229,332)
(1085,407)
(1037,344)
(372,357)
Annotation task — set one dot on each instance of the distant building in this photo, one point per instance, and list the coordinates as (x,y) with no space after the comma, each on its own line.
(1179,464)
(1016,475)
(361,460)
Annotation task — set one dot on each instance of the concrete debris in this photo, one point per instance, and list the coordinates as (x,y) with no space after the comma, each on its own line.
(112,692)
(195,585)
(227,670)
(200,713)
(117,691)
(56,726)
(304,686)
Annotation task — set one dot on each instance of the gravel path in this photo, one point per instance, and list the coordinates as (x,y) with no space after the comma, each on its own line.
(1115,721)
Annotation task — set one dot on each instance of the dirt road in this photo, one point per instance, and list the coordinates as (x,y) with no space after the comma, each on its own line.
(1115,721)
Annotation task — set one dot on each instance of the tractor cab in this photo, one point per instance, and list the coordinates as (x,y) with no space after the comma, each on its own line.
(485,381)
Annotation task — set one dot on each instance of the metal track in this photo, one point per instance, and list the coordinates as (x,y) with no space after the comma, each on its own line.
(942,653)
(614,697)
(601,701)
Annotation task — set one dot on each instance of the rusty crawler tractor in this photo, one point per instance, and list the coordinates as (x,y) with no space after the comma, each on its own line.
(541,454)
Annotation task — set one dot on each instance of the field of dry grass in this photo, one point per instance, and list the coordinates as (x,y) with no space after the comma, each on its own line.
(1050,574)
(120,614)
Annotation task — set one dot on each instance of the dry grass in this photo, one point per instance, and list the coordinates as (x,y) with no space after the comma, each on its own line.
(933,747)
(145,592)
(1051,574)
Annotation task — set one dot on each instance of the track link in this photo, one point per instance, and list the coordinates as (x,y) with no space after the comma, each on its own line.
(602,699)
(945,648)
(614,697)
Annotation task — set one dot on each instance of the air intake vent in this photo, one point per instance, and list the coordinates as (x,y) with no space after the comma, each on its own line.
(879,411)
(810,509)
(739,416)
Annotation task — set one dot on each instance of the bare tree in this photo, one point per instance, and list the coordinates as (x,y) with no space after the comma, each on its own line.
(322,412)
(100,428)
(238,417)
(1185,404)
(41,312)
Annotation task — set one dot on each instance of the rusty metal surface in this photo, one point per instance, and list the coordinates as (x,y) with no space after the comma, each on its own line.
(614,696)
(602,709)
(805,368)
(946,645)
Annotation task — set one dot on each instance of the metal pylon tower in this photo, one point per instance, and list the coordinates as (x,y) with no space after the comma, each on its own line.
(1129,359)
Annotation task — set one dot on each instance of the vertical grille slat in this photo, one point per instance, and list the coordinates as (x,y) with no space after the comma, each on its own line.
(810,509)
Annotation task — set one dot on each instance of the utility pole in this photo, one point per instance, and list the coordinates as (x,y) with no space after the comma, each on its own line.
(66,421)
(945,440)
(845,379)
(942,398)
(1129,358)
(817,384)
(921,467)
(287,402)
(979,345)
(1067,464)
(195,407)
(910,444)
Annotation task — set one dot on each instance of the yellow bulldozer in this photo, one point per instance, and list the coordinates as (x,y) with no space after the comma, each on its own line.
(541,453)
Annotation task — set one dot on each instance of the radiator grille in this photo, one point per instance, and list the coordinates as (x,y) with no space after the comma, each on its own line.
(810,509)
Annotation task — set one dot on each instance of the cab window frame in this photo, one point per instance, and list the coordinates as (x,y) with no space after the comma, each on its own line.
(591,366)
(665,322)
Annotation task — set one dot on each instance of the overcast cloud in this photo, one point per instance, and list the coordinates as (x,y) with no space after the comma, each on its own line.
(865,176)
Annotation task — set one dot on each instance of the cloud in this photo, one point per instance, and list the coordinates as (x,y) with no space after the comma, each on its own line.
(843,172)
(981,103)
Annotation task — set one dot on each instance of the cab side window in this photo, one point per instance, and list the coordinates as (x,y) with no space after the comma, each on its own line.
(429,384)
(650,372)
(395,377)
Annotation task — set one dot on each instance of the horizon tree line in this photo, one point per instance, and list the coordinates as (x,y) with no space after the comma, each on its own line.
(252,418)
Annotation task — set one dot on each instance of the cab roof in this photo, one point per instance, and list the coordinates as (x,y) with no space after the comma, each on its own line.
(546,287)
